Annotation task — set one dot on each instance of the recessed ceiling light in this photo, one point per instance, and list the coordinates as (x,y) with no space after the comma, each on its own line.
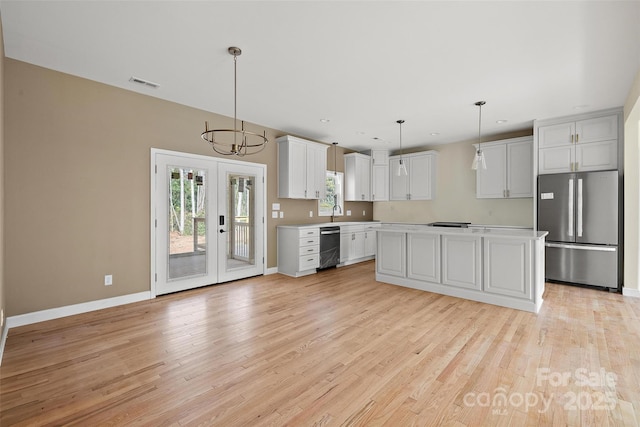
(360,133)
(501,121)
(435,133)
(325,120)
(580,107)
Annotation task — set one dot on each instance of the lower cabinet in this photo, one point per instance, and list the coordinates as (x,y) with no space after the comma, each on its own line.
(298,250)
(507,267)
(370,242)
(501,270)
(423,257)
(354,244)
(391,254)
(462,261)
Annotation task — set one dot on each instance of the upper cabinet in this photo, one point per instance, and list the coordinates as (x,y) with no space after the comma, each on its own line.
(420,181)
(583,143)
(357,177)
(509,172)
(302,168)
(379,175)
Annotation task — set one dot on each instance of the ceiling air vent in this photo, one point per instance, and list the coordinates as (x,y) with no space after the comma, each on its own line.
(144,82)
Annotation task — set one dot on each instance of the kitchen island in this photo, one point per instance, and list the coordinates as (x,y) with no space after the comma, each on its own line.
(494,265)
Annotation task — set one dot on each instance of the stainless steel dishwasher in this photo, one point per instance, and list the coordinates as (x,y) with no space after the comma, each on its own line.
(329,246)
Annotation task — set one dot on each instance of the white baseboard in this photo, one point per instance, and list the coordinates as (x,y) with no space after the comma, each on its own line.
(69,310)
(272,270)
(3,339)
(629,292)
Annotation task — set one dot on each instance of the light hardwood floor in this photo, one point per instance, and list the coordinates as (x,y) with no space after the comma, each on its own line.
(335,348)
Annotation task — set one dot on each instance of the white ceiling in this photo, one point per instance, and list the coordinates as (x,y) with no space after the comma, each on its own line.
(360,64)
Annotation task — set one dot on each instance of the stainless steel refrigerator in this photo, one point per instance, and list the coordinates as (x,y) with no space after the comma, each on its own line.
(580,212)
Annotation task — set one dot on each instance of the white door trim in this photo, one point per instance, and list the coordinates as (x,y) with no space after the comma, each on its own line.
(153,201)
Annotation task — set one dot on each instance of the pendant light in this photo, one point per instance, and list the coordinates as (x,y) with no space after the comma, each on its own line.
(244,142)
(478,159)
(402,169)
(336,206)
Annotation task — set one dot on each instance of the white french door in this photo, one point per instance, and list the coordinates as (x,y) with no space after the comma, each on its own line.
(240,221)
(207,221)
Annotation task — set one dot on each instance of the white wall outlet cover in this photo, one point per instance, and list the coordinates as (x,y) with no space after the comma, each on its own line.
(310,214)
(348,213)
(364,213)
(281,214)
(108,280)
(274,214)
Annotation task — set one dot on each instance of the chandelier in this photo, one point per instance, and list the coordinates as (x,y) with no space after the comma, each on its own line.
(234,142)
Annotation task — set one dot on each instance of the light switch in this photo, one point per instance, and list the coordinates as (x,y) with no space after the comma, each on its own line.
(274,214)
(281,214)
(275,206)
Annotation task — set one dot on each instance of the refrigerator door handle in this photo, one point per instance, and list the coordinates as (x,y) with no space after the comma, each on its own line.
(579,220)
(570,210)
(581,247)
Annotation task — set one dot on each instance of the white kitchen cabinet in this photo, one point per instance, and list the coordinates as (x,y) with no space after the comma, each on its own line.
(379,174)
(420,181)
(509,172)
(298,250)
(370,240)
(391,258)
(302,168)
(507,267)
(423,257)
(357,177)
(581,143)
(462,261)
(352,243)
(496,266)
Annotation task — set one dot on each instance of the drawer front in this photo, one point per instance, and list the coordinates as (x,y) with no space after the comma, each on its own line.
(309,232)
(308,262)
(309,241)
(309,250)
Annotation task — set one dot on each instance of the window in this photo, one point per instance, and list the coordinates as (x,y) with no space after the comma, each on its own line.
(333,202)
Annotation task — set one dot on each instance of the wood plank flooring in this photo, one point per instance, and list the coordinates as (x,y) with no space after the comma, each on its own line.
(335,348)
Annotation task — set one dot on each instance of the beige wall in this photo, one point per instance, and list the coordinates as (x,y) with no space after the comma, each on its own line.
(632,187)
(456,194)
(2,269)
(77,189)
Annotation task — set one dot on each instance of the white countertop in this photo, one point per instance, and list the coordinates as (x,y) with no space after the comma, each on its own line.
(484,230)
(328,224)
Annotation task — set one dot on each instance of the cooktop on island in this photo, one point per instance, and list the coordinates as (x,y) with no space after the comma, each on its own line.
(450,224)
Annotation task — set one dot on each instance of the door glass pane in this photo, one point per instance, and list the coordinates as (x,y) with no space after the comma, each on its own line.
(187,223)
(240,232)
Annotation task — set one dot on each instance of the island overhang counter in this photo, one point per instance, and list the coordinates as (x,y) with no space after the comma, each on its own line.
(494,265)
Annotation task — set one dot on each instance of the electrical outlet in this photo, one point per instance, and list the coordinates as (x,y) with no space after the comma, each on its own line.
(281,214)
(108,280)
(364,213)
(310,214)
(348,213)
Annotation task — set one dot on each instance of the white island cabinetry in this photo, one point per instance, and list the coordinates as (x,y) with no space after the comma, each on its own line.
(501,266)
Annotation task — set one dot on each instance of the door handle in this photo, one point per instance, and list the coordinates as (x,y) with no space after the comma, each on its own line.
(222,231)
(579,225)
(570,209)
